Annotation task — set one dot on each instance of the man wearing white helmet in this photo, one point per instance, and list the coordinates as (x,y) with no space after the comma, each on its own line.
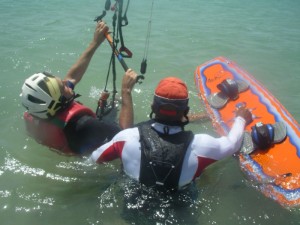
(54,119)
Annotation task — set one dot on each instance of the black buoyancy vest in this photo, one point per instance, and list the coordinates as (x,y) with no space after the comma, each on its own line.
(162,157)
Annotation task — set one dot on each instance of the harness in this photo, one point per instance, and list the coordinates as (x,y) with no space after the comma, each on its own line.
(50,132)
(162,157)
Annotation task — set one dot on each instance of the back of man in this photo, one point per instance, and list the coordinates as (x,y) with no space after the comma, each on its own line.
(197,151)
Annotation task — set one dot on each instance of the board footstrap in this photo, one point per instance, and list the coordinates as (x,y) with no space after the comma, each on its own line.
(229,89)
(248,145)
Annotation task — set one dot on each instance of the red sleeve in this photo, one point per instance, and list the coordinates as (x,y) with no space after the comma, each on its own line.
(202,164)
(112,152)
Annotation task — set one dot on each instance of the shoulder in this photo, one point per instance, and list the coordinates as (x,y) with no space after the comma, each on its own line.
(127,134)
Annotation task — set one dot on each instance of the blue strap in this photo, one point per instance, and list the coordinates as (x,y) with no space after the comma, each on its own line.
(263,135)
(70,84)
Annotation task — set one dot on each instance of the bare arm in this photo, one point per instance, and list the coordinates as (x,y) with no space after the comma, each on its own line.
(77,71)
(202,116)
(126,114)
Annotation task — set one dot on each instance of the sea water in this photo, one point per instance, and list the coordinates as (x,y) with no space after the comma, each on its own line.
(39,186)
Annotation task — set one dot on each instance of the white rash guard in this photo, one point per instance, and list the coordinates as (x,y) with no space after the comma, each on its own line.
(202,151)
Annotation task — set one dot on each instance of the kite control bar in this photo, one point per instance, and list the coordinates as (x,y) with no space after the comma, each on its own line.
(119,56)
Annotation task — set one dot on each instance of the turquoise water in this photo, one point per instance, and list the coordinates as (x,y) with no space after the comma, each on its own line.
(38,186)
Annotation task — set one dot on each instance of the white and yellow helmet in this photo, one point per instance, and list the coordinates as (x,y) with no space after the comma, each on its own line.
(41,95)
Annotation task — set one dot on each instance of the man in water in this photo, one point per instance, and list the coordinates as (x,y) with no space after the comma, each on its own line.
(159,153)
(54,119)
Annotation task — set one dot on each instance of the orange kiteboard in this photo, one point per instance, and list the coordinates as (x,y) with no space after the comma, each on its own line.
(275,170)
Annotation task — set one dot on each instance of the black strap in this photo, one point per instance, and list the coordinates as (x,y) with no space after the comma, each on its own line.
(229,88)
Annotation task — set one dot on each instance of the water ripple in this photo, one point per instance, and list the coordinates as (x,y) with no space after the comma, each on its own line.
(13,165)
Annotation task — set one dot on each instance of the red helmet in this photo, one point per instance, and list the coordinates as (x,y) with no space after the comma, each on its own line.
(170,97)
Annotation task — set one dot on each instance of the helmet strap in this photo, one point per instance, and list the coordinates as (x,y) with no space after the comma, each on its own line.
(66,102)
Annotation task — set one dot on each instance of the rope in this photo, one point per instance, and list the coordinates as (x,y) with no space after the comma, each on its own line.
(147,42)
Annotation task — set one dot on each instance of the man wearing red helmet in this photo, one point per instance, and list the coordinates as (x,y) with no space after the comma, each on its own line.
(159,152)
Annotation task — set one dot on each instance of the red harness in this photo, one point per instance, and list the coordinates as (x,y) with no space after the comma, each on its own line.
(51,132)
